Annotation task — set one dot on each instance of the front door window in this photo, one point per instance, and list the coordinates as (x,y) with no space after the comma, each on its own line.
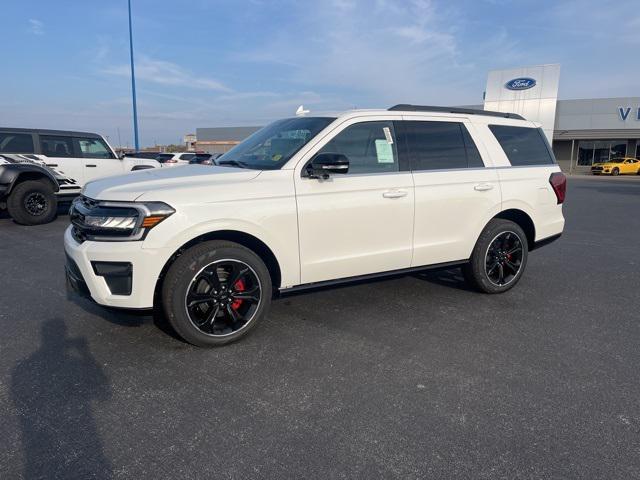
(94,148)
(369,146)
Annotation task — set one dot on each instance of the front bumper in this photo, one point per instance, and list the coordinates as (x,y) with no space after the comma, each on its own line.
(144,269)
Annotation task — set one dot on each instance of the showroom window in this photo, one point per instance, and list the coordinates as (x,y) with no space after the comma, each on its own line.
(600,151)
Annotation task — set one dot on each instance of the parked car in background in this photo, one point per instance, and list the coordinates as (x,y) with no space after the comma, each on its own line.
(310,202)
(617,166)
(149,155)
(41,166)
(205,158)
(175,159)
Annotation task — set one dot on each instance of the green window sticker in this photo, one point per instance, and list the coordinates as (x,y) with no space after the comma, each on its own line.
(384,151)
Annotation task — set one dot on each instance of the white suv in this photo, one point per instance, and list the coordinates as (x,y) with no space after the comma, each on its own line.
(312,201)
(35,161)
(175,159)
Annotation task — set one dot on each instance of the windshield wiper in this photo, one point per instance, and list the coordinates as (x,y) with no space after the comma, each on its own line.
(233,163)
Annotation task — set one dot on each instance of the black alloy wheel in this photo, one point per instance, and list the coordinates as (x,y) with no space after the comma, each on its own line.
(503,258)
(499,257)
(223,297)
(216,292)
(35,204)
(615,171)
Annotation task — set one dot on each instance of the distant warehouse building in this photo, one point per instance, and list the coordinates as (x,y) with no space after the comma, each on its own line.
(222,139)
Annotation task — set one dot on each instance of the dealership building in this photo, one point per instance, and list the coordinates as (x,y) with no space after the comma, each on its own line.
(582,132)
(594,130)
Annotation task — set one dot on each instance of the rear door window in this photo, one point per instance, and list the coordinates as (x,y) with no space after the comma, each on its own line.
(187,156)
(94,148)
(523,146)
(56,146)
(16,142)
(439,145)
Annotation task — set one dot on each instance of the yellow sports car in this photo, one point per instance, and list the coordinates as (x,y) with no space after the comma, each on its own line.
(617,166)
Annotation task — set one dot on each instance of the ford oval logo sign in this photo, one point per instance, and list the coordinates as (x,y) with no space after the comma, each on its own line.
(520,83)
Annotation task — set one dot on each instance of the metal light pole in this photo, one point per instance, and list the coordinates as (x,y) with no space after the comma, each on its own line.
(133,86)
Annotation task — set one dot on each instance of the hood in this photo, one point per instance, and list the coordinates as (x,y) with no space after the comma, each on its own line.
(162,182)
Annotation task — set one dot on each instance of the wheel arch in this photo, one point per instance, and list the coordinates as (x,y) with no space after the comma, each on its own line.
(523,220)
(14,177)
(247,240)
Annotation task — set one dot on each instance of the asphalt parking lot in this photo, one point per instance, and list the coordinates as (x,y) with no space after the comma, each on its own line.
(411,377)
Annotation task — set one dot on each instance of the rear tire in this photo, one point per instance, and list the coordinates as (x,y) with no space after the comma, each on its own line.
(32,202)
(216,292)
(499,257)
(615,172)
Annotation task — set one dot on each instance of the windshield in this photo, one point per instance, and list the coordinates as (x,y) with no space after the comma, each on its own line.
(272,146)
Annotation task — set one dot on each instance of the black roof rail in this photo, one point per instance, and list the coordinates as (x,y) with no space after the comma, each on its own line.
(45,131)
(405,107)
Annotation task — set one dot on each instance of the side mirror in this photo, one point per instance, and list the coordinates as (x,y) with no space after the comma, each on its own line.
(122,155)
(324,164)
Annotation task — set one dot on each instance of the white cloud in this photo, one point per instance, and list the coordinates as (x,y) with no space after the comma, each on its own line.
(36,27)
(387,50)
(166,73)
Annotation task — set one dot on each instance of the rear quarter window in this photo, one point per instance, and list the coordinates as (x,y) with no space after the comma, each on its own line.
(523,146)
(16,142)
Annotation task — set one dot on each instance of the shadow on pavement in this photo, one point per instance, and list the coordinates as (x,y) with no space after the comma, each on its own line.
(127,318)
(448,278)
(53,391)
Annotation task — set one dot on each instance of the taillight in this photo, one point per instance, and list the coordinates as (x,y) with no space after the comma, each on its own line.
(558,182)
(171,160)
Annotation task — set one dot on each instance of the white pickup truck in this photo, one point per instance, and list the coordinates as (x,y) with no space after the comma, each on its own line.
(313,201)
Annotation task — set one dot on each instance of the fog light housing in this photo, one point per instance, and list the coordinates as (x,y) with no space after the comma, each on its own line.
(118,275)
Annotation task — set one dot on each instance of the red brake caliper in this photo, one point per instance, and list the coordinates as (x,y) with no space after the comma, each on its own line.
(239,286)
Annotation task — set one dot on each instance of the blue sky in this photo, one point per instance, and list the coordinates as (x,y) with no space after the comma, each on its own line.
(220,63)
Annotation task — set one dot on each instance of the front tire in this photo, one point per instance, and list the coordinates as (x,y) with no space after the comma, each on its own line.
(216,292)
(498,258)
(32,202)
(615,172)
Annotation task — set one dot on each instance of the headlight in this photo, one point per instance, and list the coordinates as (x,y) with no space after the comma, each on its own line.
(115,221)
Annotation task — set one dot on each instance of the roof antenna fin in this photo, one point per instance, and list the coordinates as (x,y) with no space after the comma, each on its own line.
(301,111)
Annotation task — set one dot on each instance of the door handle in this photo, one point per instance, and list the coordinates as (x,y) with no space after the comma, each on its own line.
(395,194)
(90,165)
(483,187)
(52,164)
